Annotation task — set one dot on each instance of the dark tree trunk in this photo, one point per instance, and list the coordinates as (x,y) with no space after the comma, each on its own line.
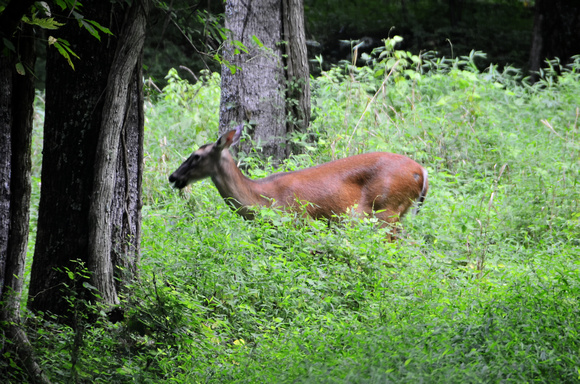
(16,107)
(257,91)
(297,75)
(74,103)
(455,10)
(5,160)
(556,32)
(79,104)
(22,109)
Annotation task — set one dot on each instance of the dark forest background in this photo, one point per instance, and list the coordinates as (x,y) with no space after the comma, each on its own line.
(502,29)
(187,35)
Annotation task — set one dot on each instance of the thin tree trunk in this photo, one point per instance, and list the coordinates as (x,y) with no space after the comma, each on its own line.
(25,352)
(455,10)
(297,74)
(115,113)
(537,43)
(16,108)
(5,161)
(22,110)
(556,32)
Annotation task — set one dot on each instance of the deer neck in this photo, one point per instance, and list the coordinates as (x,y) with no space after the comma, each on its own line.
(235,188)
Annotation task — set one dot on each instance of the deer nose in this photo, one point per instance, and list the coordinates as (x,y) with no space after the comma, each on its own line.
(177,183)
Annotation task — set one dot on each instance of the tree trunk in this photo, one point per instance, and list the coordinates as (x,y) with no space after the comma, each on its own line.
(74,104)
(556,32)
(16,108)
(6,88)
(537,44)
(112,167)
(85,108)
(297,74)
(256,91)
(21,141)
(126,228)
(455,10)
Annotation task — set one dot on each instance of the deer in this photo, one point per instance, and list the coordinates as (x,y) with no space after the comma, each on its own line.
(382,184)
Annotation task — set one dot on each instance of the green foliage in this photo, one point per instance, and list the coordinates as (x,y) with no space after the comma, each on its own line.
(45,23)
(482,286)
(39,16)
(63,47)
(92,26)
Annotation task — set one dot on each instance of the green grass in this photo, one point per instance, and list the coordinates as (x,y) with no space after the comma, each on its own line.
(483,285)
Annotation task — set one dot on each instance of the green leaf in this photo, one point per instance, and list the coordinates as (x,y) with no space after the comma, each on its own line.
(45,23)
(77,15)
(89,286)
(100,27)
(61,4)
(8,44)
(20,69)
(257,41)
(63,47)
(66,45)
(397,39)
(90,29)
(240,45)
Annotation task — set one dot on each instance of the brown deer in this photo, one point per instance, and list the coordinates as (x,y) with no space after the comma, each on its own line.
(382,184)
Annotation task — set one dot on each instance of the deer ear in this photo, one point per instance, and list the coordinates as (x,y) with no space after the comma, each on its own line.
(238,134)
(230,138)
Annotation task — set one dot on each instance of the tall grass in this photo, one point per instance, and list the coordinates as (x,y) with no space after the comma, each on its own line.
(483,285)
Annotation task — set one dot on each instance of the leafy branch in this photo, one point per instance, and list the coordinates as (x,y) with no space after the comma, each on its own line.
(39,14)
(63,47)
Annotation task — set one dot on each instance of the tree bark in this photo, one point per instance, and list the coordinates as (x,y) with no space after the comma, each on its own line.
(74,105)
(118,100)
(16,108)
(297,73)
(5,161)
(537,44)
(85,169)
(269,87)
(21,141)
(254,93)
(127,202)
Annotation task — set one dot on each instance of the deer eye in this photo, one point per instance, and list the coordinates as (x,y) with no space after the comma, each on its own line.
(195,158)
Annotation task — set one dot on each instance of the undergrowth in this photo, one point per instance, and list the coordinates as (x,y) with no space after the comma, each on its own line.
(482,286)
